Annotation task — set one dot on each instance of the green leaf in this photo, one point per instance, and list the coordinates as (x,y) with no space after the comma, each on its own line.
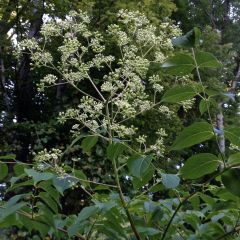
(190,39)
(180,64)
(170,180)
(11,206)
(212,93)
(156,188)
(38,176)
(4,212)
(21,184)
(148,231)
(195,202)
(8,157)
(194,134)
(231,180)
(147,176)
(138,165)
(115,149)
(206,60)
(207,199)
(179,93)
(3,170)
(61,184)
(46,186)
(199,165)
(85,214)
(233,135)
(234,159)
(157,214)
(10,220)
(49,201)
(113,226)
(88,143)
(43,229)
(203,106)
(205,103)
(79,174)
(19,169)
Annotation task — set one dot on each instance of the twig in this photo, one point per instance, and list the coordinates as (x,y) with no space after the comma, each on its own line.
(234,230)
(175,213)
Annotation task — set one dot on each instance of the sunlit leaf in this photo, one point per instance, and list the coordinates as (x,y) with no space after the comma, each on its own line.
(199,165)
(180,64)
(138,165)
(170,180)
(179,93)
(190,39)
(38,176)
(194,134)
(8,157)
(206,60)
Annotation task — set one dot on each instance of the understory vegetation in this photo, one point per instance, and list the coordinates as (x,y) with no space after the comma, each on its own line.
(118,123)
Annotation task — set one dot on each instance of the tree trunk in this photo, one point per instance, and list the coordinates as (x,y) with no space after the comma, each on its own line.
(6,99)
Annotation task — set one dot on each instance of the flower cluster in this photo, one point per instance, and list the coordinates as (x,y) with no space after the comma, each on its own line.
(51,156)
(121,94)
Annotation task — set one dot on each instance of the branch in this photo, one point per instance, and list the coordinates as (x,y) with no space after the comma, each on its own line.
(175,213)
(234,230)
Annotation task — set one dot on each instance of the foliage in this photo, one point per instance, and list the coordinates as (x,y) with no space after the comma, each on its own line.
(198,197)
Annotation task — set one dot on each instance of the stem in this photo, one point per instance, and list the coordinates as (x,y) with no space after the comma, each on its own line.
(118,181)
(71,83)
(95,87)
(174,214)
(234,230)
(91,228)
(208,110)
(140,112)
(196,191)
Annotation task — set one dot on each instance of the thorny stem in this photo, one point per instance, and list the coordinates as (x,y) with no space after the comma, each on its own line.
(118,181)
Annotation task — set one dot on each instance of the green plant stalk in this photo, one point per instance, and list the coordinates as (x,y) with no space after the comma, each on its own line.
(208,110)
(222,156)
(175,213)
(134,229)
(234,230)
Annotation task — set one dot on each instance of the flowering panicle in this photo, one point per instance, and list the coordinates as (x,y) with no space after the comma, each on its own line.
(126,87)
